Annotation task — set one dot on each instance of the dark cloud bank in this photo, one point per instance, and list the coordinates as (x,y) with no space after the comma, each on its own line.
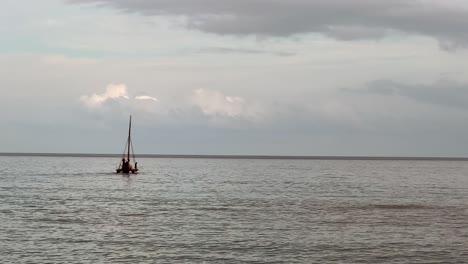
(340,19)
(444,93)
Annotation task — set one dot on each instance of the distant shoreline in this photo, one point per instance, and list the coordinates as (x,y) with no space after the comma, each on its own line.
(180,156)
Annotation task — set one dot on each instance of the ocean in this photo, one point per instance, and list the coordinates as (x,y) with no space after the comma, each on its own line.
(188,210)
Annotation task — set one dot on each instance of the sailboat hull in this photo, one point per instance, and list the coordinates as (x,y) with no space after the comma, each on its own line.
(127,171)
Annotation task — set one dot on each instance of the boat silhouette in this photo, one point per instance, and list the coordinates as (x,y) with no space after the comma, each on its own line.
(125,165)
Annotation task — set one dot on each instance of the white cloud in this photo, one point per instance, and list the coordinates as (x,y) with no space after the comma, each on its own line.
(52,23)
(214,103)
(146,97)
(113,91)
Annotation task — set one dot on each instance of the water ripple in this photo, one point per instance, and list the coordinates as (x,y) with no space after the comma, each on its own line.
(233,211)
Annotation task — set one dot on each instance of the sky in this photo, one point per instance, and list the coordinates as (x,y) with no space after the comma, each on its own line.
(242,77)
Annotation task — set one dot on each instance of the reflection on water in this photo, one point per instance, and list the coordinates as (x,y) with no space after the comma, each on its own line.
(74,210)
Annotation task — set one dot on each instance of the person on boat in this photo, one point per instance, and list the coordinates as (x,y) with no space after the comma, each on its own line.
(136,163)
(124,164)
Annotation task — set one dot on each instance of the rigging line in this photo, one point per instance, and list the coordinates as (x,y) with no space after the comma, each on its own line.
(125,148)
(123,154)
(133,152)
(129,138)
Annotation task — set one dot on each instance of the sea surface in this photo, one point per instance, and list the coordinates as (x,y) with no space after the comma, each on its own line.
(76,210)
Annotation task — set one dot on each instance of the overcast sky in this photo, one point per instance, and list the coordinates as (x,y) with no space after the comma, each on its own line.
(274,77)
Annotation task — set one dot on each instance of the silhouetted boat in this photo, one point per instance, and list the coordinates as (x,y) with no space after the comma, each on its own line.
(125,165)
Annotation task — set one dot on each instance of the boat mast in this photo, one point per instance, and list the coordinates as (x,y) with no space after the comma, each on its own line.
(129,139)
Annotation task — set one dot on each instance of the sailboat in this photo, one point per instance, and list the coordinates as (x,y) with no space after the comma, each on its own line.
(125,165)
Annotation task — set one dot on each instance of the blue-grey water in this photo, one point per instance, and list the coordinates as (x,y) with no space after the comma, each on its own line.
(75,210)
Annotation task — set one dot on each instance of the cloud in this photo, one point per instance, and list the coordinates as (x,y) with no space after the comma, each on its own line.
(340,19)
(52,23)
(223,50)
(146,97)
(117,98)
(214,103)
(444,93)
(113,91)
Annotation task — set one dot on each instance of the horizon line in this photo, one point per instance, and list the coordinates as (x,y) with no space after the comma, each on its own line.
(226,156)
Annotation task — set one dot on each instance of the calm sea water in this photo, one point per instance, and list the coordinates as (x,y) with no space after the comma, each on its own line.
(75,210)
